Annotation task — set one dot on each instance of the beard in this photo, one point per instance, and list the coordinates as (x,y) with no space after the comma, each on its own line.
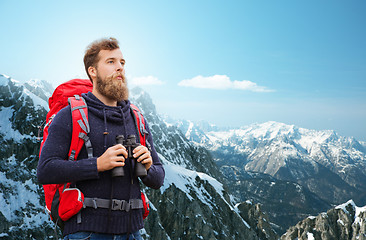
(113,88)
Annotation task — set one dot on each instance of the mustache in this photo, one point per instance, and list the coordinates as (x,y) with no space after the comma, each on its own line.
(117,74)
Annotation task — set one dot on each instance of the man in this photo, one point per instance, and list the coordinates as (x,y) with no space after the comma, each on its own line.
(109,115)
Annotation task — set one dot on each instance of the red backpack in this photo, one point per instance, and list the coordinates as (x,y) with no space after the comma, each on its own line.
(62,201)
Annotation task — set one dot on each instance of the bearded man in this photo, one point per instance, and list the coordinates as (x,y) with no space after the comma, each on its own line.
(110,115)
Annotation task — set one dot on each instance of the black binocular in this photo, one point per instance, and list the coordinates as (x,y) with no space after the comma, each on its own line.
(130,144)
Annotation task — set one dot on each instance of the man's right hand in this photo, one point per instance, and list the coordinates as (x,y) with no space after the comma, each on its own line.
(114,156)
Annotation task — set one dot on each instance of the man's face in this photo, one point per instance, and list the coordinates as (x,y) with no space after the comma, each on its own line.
(110,75)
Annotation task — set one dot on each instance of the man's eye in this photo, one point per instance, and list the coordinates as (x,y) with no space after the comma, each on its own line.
(122,63)
(110,61)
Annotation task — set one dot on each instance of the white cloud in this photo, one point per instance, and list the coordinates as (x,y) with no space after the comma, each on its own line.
(143,81)
(214,82)
(222,82)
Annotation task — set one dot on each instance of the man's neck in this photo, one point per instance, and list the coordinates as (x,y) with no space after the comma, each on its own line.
(104,99)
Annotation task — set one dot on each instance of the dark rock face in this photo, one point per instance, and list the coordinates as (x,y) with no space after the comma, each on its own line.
(344,222)
(21,212)
(257,220)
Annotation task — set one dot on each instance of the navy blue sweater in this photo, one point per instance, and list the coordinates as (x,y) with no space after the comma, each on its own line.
(53,166)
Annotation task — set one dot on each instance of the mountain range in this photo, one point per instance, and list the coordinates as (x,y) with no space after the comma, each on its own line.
(324,168)
(248,183)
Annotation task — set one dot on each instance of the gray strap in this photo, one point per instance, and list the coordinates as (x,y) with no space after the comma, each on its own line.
(72,155)
(87,143)
(49,120)
(148,145)
(136,203)
(82,126)
(77,97)
(78,107)
(116,205)
(78,217)
(84,116)
(142,127)
(85,120)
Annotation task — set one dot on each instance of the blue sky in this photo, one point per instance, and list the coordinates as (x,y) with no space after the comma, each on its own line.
(232,63)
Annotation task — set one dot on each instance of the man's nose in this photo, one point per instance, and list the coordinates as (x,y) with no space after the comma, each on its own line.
(119,67)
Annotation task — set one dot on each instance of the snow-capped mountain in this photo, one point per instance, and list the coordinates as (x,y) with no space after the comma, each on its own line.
(267,162)
(325,147)
(192,204)
(291,153)
(194,131)
(41,88)
(346,221)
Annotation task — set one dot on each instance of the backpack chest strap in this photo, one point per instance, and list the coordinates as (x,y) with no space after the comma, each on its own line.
(114,204)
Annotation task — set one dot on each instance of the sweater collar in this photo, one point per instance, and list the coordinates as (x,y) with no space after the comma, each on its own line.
(101,110)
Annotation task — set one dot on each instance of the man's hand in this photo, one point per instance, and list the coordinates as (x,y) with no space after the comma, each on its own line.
(114,156)
(142,154)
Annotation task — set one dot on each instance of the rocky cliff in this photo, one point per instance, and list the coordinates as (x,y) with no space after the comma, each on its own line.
(344,222)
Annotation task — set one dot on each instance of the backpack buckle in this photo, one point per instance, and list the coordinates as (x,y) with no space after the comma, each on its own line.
(126,206)
(116,204)
(95,203)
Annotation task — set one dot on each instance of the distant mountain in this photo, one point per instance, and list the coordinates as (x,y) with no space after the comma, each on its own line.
(296,154)
(323,167)
(40,88)
(346,221)
(194,203)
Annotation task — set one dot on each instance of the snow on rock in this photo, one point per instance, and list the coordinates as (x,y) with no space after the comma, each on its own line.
(17,196)
(345,221)
(6,126)
(283,143)
(344,205)
(184,179)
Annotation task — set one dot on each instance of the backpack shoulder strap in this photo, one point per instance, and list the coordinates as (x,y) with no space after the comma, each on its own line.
(141,129)
(140,125)
(80,127)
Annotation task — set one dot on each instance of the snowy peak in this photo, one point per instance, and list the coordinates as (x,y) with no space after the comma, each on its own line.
(194,131)
(288,152)
(40,88)
(350,208)
(4,79)
(269,130)
(143,100)
(13,90)
(346,221)
(322,145)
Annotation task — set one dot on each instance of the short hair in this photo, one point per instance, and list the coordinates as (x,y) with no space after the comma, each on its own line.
(91,56)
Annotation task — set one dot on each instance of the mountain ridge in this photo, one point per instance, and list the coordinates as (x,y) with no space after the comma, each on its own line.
(345,221)
(331,167)
(283,143)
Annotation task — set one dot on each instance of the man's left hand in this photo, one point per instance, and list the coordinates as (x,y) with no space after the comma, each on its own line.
(142,154)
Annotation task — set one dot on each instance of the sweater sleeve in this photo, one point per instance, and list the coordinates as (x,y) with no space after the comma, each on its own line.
(54,166)
(156,173)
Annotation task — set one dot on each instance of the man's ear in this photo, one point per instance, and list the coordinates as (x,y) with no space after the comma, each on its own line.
(92,72)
